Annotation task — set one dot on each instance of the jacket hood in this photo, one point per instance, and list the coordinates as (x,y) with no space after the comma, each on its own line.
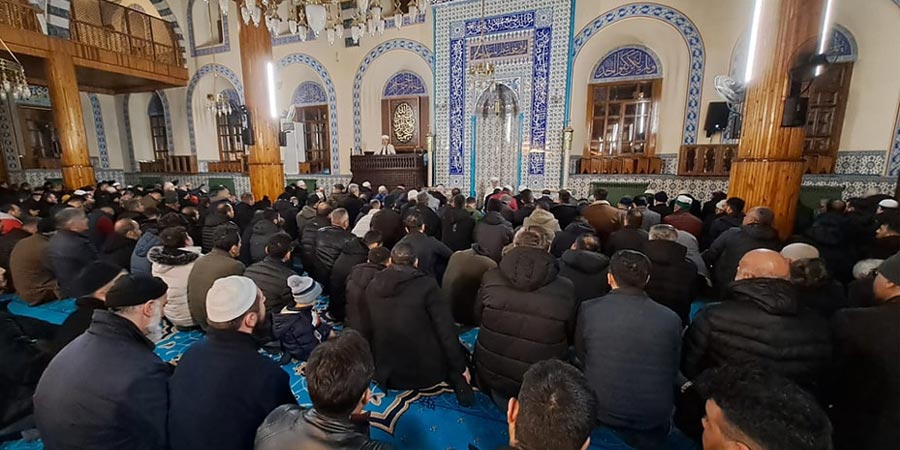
(762,232)
(773,295)
(665,252)
(579,228)
(265,227)
(479,250)
(585,261)
(528,269)
(308,212)
(392,281)
(542,218)
(6,216)
(494,218)
(215,219)
(179,257)
(147,241)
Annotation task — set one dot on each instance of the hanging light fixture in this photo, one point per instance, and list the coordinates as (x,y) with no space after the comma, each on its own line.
(217,103)
(481,71)
(316,15)
(12,77)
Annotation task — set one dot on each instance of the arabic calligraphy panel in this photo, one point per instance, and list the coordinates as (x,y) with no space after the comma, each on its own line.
(627,63)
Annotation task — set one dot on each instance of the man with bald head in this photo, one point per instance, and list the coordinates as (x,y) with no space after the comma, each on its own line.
(727,250)
(760,322)
(120,245)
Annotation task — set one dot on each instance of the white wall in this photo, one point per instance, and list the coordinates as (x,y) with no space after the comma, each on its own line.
(373,88)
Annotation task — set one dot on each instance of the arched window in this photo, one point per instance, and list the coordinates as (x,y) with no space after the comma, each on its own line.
(206,25)
(159,134)
(404,111)
(311,112)
(623,100)
(228,129)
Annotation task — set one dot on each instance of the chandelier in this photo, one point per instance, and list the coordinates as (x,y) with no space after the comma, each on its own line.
(12,77)
(324,16)
(481,71)
(218,105)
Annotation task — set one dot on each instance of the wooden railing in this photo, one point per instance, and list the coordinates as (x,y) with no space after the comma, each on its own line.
(172,164)
(109,26)
(629,164)
(818,164)
(228,166)
(18,15)
(712,160)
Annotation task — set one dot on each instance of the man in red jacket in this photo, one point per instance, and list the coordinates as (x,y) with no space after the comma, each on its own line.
(682,219)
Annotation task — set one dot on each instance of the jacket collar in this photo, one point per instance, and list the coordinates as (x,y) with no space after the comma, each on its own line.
(232,339)
(219,252)
(90,302)
(629,291)
(108,324)
(602,202)
(332,425)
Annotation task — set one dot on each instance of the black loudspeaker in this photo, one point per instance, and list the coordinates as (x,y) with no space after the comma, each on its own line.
(795,109)
(247,130)
(716,118)
(282,139)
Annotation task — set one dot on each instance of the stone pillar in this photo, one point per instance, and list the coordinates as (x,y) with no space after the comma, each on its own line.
(66,107)
(769,167)
(266,170)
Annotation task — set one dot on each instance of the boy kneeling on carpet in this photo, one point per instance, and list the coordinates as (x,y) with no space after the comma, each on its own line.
(298,327)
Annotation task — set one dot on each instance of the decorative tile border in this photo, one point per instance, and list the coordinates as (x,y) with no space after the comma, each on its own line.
(97,112)
(224,47)
(314,64)
(860,163)
(404,83)
(387,46)
(129,139)
(201,72)
(40,97)
(309,93)
(689,32)
(627,63)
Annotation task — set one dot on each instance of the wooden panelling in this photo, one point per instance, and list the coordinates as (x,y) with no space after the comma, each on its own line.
(392,170)
(711,160)
(770,158)
(266,171)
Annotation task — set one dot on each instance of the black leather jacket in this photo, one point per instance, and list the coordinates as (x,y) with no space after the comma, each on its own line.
(289,427)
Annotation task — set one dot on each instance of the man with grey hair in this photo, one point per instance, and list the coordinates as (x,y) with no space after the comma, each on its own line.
(330,242)
(429,218)
(673,278)
(70,249)
(728,249)
(352,203)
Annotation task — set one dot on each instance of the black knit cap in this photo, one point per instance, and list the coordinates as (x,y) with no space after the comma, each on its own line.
(96,275)
(890,269)
(135,289)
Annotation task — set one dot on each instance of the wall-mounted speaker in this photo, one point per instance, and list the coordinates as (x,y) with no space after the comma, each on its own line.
(716,118)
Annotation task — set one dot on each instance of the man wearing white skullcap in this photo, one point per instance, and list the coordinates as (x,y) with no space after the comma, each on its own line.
(386,147)
(682,219)
(887,204)
(224,388)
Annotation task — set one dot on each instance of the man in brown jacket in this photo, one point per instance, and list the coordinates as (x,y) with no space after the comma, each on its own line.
(218,263)
(603,217)
(30,266)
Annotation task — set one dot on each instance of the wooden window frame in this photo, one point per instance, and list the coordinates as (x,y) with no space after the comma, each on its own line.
(653,121)
(317,159)
(159,136)
(228,133)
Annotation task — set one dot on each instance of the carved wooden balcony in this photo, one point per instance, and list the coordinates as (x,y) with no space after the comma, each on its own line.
(621,165)
(185,164)
(239,166)
(708,160)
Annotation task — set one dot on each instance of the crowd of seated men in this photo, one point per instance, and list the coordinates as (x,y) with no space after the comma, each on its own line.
(586,313)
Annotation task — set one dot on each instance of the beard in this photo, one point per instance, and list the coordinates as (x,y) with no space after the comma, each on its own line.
(155,329)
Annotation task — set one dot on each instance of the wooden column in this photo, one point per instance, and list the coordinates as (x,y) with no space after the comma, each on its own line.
(266,171)
(769,167)
(66,107)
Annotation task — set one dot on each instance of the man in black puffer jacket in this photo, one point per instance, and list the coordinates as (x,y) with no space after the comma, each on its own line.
(219,219)
(493,232)
(565,238)
(586,268)
(432,253)
(760,322)
(673,278)
(728,249)
(527,314)
(733,217)
(330,241)
(271,274)
(261,231)
(358,316)
(308,240)
(355,252)
(458,225)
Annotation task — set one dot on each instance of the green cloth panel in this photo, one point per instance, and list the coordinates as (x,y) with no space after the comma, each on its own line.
(619,189)
(227,182)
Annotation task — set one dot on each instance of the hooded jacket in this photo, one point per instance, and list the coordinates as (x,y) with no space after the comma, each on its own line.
(305,216)
(527,314)
(358,316)
(330,242)
(458,228)
(727,250)
(174,267)
(262,231)
(462,281)
(673,278)
(414,340)
(544,219)
(139,261)
(760,322)
(29,266)
(492,234)
(587,271)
